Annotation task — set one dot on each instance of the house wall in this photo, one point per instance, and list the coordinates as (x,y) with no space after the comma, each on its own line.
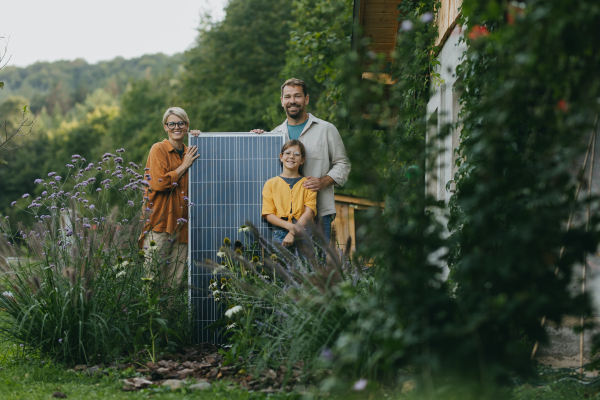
(443,109)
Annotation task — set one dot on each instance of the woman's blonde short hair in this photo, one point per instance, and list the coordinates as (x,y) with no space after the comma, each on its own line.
(178,112)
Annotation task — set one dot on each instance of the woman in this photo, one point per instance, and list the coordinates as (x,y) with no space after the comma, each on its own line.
(166,210)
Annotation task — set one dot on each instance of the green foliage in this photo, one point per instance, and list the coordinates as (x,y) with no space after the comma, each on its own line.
(513,261)
(71,285)
(60,85)
(232,73)
(290,307)
(320,35)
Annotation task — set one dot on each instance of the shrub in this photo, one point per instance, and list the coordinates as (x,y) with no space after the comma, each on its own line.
(289,307)
(72,285)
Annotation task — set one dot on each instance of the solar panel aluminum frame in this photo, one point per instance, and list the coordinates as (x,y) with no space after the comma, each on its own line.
(262,160)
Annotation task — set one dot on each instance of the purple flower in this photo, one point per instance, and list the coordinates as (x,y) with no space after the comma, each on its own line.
(70,166)
(121,151)
(92,207)
(360,384)
(75,156)
(87,226)
(26,195)
(185,198)
(107,171)
(327,354)
(427,17)
(99,168)
(405,26)
(146,169)
(160,180)
(118,160)
(98,190)
(13,203)
(60,340)
(181,221)
(69,232)
(52,174)
(37,181)
(58,178)
(145,183)
(44,193)
(21,345)
(130,203)
(174,184)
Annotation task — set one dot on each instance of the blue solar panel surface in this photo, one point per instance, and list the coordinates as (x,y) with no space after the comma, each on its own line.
(225,185)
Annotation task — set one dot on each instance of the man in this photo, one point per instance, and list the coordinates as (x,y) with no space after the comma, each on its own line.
(327,164)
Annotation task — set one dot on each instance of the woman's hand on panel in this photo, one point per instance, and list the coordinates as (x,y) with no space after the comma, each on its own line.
(259,131)
(195,132)
(190,156)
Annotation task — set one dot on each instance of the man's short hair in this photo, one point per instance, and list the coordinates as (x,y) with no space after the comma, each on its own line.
(295,82)
(178,112)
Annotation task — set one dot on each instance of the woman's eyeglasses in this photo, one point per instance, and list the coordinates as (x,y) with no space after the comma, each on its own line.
(289,153)
(180,124)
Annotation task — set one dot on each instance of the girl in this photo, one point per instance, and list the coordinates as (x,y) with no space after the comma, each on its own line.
(286,203)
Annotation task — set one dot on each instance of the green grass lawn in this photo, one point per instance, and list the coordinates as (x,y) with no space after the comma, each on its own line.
(38,379)
(34,380)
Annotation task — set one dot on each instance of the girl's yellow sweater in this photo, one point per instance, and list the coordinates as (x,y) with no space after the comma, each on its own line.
(277,198)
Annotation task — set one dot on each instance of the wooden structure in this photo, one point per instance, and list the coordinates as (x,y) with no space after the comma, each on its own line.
(446,19)
(378,20)
(345,224)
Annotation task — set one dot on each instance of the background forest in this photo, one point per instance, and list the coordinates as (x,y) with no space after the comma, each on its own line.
(92,109)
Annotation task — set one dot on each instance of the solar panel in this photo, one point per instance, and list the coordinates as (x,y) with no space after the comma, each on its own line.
(225,185)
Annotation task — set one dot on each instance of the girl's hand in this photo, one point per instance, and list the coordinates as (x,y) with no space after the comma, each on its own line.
(195,132)
(288,240)
(190,156)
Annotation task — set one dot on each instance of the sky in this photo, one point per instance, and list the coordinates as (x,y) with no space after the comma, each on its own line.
(44,30)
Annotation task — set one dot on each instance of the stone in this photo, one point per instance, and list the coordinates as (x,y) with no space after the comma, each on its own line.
(203,385)
(79,368)
(174,384)
(94,370)
(151,365)
(141,383)
(213,374)
(163,371)
(408,386)
(184,373)
(59,395)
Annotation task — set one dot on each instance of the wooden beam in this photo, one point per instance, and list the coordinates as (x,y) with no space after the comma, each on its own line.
(382,8)
(380,32)
(395,2)
(381,39)
(358,200)
(380,24)
(378,47)
(380,17)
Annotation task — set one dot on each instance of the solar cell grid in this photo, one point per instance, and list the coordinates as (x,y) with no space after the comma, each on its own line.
(225,186)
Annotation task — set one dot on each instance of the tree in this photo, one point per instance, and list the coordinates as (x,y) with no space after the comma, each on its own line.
(232,74)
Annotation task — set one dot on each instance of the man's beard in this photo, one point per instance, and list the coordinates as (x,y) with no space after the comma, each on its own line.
(296,114)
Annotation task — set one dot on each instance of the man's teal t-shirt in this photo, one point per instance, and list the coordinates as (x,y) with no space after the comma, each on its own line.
(295,130)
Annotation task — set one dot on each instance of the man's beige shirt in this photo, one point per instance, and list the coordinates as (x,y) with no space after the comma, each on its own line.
(325,155)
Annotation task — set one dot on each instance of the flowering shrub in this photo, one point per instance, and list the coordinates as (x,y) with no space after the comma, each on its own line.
(71,285)
(289,306)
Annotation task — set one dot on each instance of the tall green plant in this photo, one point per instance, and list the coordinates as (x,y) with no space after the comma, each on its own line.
(70,287)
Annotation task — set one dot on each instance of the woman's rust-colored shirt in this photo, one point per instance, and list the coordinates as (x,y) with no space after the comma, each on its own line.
(165,194)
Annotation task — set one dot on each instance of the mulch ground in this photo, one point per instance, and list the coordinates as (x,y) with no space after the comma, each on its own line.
(203,363)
